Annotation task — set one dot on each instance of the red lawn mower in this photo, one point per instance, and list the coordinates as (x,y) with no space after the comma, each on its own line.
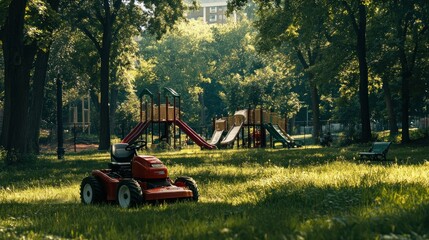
(134,179)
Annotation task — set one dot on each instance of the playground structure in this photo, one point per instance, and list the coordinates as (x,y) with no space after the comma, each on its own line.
(82,120)
(249,125)
(252,126)
(167,118)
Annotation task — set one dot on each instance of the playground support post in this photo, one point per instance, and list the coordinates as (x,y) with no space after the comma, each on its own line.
(180,131)
(271,121)
(166,133)
(286,123)
(141,109)
(263,134)
(174,122)
(254,128)
(159,117)
(249,141)
(238,141)
(151,116)
(242,138)
(146,117)
(74,136)
(214,123)
(146,108)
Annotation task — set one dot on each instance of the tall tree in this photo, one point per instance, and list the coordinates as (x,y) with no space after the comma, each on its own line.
(409,30)
(300,26)
(40,21)
(381,55)
(17,70)
(357,13)
(100,20)
(48,23)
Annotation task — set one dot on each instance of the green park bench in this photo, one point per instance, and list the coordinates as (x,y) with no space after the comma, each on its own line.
(377,151)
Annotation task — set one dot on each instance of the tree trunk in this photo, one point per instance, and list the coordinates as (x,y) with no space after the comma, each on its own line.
(363,76)
(315,99)
(315,102)
(113,106)
(203,109)
(291,125)
(393,126)
(94,99)
(104,105)
(16,59)
(37,100)
(104,85)
(359,28)
(38,91)
(406,73)
(405,91)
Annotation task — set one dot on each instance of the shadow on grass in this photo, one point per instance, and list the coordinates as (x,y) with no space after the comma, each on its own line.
(279,157)
(48,170)
(287,212)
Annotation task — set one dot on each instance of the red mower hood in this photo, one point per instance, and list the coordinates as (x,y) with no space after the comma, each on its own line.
(148,167)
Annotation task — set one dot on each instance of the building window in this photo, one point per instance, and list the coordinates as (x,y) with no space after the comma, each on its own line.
(213,9)
(213,18)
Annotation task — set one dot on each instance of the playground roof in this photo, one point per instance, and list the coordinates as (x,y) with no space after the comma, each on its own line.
(145,92)
(171,91)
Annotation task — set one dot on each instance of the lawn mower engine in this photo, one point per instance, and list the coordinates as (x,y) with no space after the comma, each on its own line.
(133,179)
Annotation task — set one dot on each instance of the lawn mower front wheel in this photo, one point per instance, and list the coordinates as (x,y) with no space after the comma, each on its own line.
(129,193)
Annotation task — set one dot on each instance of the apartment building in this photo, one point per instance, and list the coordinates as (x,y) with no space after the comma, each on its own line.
(211,12)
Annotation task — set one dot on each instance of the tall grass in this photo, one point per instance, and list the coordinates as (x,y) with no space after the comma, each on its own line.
(313,193)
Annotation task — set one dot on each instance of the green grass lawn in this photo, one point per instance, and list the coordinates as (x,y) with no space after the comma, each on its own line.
(312,193)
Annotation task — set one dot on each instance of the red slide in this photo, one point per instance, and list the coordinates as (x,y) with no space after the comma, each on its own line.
(193,135)
(136,132)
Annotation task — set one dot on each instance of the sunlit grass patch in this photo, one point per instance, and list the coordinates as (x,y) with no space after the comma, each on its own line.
(322,193)
(40,194)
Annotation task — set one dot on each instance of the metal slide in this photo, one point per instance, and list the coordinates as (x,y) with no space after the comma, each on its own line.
(232,134)
(193,135)
(290,140)
(216,137)
(241,116)
(280,131)
(277,134)
(136,132)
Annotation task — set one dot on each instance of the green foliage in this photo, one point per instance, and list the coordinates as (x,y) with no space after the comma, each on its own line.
(13,157)
(325,194)
(41,21)
(128,110)
(217,70)
(4,11)
(220,68)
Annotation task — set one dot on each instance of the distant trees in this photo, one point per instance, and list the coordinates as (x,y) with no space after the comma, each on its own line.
(107,21)
(299,29)
(217,70)
(16,80)
(26,29)
(384,39)
(410,26)
(357,13)
(26,42)
(337,56)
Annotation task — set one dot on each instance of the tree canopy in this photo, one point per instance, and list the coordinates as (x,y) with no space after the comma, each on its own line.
(356,62)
